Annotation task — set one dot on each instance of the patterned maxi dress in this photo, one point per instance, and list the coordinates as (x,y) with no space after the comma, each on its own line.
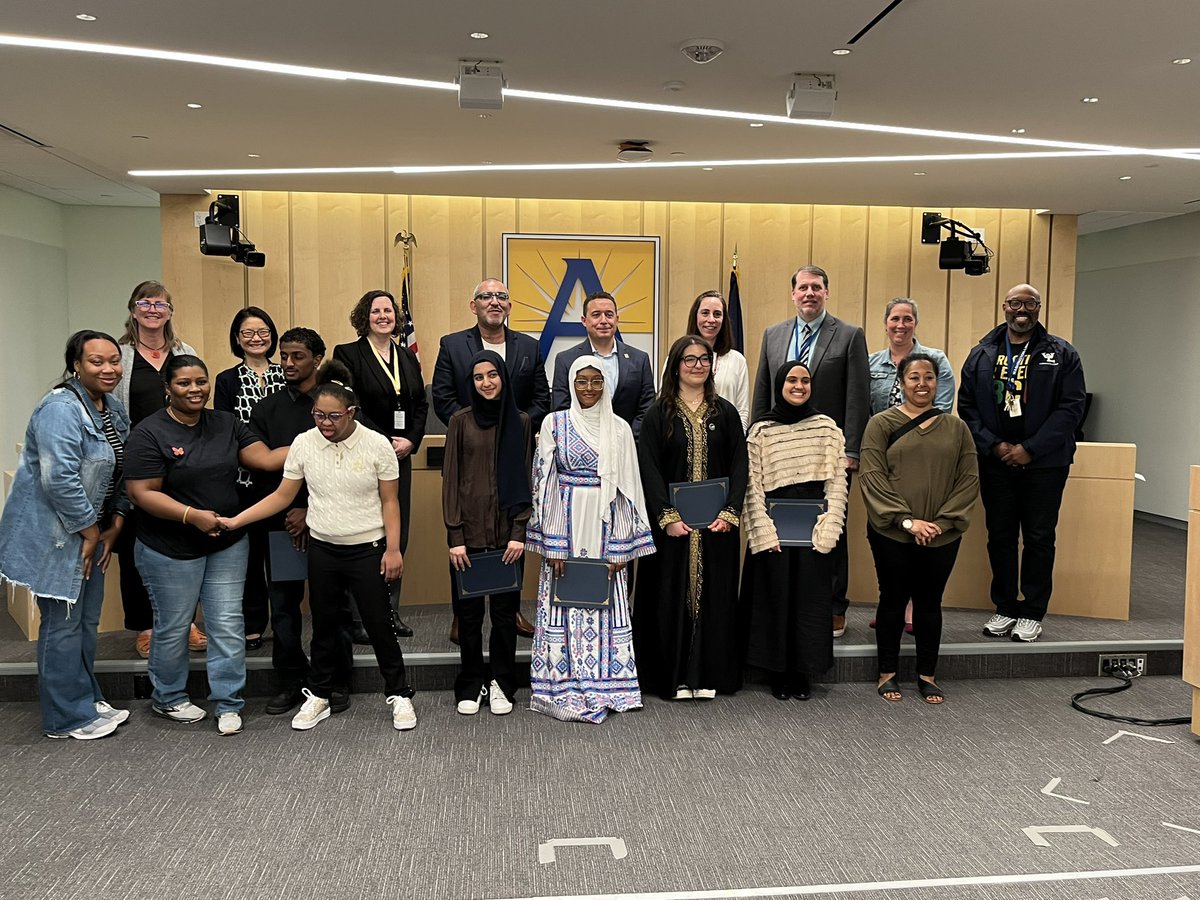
(582,659)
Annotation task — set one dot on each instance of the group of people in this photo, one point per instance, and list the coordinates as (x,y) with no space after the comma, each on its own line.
(587,466)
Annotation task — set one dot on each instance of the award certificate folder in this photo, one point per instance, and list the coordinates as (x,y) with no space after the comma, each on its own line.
(488,574)
(794,520)
(287,563)
(699,502)
(584,583)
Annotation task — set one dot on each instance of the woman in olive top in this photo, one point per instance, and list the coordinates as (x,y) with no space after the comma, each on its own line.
(919,478)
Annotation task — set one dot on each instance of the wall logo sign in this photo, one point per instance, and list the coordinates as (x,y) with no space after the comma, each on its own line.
(550,275)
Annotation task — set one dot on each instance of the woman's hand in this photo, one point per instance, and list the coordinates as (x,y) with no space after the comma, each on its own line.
(402,446)
(719,526)
(459,560)
(91,537)
(677,529)
(924,532)
(614,568)
(558,566)
(392,566)
(514,551)
(108,539)
(225,524)
(205,520)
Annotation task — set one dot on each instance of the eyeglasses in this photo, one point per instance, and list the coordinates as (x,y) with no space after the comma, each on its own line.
(145,305)
(254,332)
(595,384)
(693,362)
(1018,305)
(502,296)
(331,418)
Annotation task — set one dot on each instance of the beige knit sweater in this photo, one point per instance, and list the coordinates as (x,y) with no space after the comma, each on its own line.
(779,455)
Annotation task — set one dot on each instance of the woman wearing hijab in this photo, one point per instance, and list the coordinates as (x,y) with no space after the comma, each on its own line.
(486,504)
(794,453)
(587,502)
(685,628)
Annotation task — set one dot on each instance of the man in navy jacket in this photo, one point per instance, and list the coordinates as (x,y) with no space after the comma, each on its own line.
(1022,395)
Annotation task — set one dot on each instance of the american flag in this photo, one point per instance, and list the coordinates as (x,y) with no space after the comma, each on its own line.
(410,329)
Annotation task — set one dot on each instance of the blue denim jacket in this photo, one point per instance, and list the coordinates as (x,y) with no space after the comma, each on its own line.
(61,481)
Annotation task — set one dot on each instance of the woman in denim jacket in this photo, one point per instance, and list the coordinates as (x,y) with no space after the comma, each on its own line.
(65,511)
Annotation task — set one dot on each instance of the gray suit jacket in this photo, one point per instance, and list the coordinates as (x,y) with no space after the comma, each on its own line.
(841,377)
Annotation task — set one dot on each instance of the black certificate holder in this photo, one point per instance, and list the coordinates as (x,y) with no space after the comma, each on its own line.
(488,574)
(794,520)
(699,502)
(287,563)
(584,584)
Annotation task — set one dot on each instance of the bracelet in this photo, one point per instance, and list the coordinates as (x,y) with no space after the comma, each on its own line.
(185,514)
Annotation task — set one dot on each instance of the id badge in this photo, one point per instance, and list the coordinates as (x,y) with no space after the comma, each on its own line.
(1014,406)
(399,420)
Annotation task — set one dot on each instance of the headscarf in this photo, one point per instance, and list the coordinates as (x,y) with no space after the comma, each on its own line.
(600,427)
(783,412)
(512,490)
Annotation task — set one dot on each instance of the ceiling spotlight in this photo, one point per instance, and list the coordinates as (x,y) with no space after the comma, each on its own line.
(708,168)
(254,155)
(195,106)
(634,151)
(485,162)
(1182,61)
(1090,100)
(485,115)
(1125,178)
(919,173)
(1018,131)
(756,124)
(842,51)
(479,35)
(702,50)
(84,17)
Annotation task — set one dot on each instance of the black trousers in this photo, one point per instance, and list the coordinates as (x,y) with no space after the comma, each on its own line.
(332,569)
(139,615)
(404,488)
(287,625)
(1021,504)
(908,571)
(502,643)
(839,558)
(256,604)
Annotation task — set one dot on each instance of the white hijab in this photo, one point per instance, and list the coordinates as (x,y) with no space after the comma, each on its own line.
(613,440)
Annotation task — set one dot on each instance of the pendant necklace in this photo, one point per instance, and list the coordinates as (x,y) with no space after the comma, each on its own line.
(156,353)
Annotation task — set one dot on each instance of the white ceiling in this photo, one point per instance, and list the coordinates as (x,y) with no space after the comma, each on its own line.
(963,65)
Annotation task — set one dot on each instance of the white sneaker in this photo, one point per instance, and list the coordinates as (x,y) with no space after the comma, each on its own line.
(404,717)
(470,707)
(499,704)
(97,728)
(1026,630)
(998,625)
(185,712)
(683,692)
(704,694)
(229,723)
(314,709)
(105,711)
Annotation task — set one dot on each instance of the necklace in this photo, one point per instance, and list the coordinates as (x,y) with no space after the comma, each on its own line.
(155,352)
(171,413)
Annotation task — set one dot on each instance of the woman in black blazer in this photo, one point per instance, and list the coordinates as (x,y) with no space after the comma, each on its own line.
(391,396)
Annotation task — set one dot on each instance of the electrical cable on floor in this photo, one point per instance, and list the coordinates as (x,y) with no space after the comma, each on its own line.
(1126,675)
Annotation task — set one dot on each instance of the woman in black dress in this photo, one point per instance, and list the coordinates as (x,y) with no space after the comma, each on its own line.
(684,611)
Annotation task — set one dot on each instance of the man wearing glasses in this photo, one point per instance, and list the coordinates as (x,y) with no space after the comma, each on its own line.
(521,354)
(627,369)
(835,353)
(1023,397)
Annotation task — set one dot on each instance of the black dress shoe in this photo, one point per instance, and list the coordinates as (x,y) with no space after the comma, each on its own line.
(779,690)
(398,625)
(454,631)
(339,701)
(254,643)
(285,701)
(801,687)
(359,635)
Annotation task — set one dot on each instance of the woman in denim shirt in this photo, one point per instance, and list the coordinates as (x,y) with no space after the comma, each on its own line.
(65,511)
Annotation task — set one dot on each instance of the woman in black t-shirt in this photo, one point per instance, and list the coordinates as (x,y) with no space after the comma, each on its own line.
(181,471)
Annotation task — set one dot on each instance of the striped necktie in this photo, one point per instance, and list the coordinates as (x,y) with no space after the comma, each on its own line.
(807,337)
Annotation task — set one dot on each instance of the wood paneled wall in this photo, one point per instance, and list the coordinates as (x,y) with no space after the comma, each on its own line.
(325,250)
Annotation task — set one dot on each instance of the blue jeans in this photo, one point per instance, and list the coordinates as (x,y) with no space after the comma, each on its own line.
(66,654)
(175,587)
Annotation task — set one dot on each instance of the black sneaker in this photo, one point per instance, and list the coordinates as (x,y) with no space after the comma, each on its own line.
(285,701)
(339,701)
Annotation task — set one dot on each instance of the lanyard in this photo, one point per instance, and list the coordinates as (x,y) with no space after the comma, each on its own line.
(392,371)
(1013,366)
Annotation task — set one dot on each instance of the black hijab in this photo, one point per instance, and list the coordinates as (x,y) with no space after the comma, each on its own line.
(512,465)
(783,412)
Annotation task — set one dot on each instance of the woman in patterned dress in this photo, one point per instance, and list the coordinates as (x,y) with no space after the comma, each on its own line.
(587,502)
(253,339)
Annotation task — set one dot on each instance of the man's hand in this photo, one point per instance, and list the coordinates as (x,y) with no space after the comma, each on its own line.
(1002,450)
(1017,456)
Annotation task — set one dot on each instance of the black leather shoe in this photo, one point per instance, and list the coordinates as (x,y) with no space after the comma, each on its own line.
(339,701)
(398,625)
(801,688)
(285,701)
(359,635)
(254,643)
(779,690)
(454,631)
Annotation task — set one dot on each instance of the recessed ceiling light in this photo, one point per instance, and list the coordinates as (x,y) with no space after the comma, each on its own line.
(707,168)
(253,155)
(479,35)
(1182,61)
(1125,178)
(919,173)
(485,115)
(678,153)
(1090,100)
(1018,131)
(84,17)
(756,124)
(842,51)
(485,162)
(195,106)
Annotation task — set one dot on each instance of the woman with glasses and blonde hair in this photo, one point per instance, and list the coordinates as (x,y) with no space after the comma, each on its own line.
(148,341)
(685,626)
(709,318)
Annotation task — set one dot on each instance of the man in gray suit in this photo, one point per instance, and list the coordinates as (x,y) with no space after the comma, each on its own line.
(628,368)
(836,355)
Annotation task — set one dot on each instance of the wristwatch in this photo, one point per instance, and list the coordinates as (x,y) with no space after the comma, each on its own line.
(907,524)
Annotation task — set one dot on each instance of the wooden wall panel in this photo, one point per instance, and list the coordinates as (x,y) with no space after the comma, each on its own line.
(1039,252)
(930,287)
(450,262)
(266,218)
(889,258)
(972,298)
(1059,292)
(693,264)
(499,218)
(839,246)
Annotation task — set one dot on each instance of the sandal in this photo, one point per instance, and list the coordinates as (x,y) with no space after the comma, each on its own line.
(890,687)
(930,692)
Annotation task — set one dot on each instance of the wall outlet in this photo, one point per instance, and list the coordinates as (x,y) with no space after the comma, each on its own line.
(1135,663)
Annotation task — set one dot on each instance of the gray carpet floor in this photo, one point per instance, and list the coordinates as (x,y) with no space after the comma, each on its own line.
(743,792)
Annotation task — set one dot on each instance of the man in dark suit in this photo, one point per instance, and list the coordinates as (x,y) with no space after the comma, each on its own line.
(836,355)
(522,357)
(626,367)
(452,382)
